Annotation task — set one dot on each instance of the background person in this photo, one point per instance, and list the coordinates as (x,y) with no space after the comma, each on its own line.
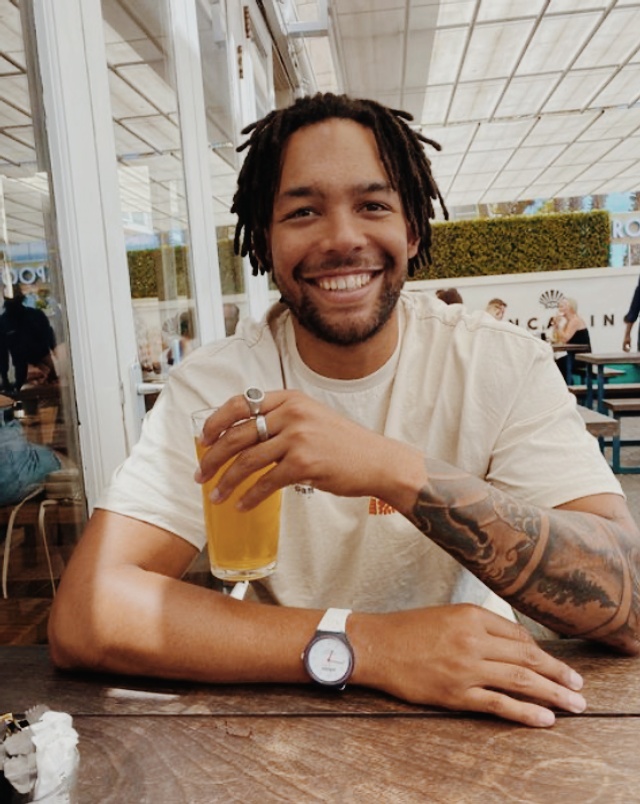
(27,338)
(182,345)
(436,445)
(23,465)
(570,328)
(630,318)
(231,317)
(449,296)
(496,308)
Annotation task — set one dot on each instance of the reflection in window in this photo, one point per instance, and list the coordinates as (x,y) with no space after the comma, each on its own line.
(40,463)
(151,177)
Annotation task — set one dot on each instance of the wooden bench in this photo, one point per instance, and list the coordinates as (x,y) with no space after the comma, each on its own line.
(620,408)
(608,373)
(616,389)
(598,424)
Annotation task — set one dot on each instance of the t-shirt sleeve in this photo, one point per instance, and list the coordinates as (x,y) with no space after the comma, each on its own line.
(544,453)
(155,484)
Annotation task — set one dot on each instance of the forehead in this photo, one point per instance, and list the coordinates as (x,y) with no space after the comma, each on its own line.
(333,150)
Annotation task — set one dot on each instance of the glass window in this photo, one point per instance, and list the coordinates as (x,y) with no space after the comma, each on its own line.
(237,74)
(39,453)
(151,178)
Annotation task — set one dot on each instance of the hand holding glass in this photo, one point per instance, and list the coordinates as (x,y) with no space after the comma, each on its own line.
(243,545)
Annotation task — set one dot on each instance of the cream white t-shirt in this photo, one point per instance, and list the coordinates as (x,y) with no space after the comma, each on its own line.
(483,395)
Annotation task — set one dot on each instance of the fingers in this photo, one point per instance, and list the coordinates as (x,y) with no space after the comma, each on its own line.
(519,647)
(242,441)
(478,661)
(234,411)
(495,703)
(230,434)
(520,679)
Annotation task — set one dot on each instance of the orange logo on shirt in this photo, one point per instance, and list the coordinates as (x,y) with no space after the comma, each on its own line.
(376,507)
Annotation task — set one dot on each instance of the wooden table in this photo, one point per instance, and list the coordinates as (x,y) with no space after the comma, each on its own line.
(150,741)
(601,361)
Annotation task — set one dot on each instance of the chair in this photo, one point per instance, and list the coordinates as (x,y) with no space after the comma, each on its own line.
(63,494)
(13,516)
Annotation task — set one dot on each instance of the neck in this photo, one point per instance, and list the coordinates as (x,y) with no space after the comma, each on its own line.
(347,362)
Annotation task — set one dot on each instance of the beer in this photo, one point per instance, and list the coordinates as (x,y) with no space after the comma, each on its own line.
(243,545)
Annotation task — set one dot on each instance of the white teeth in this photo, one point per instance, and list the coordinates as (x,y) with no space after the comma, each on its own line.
(348,282)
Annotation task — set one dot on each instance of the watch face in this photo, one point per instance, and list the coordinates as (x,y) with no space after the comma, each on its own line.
(329,660)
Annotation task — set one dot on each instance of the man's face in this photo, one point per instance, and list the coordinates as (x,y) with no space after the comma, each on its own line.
(339,240)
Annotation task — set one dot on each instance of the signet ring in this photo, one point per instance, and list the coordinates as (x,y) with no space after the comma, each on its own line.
(254,398)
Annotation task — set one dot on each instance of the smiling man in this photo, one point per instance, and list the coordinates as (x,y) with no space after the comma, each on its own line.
(432,441)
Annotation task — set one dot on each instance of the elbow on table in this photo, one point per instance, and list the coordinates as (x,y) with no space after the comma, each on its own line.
(626,641)
(72,645)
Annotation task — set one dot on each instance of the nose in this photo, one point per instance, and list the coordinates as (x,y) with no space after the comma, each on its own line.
(343,232)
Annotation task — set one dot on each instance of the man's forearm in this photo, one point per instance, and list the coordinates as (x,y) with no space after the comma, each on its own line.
(576,572)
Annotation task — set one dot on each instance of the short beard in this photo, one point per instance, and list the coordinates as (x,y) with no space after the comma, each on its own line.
(348,333)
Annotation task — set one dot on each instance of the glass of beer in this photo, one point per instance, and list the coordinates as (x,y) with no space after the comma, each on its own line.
(243,545)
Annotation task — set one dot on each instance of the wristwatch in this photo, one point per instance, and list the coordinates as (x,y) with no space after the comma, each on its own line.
(329,658)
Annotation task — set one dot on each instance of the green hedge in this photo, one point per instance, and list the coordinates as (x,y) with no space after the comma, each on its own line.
(507,245)
(519,244)
(148,279)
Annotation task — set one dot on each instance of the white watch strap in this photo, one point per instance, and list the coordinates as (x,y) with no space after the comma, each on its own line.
(334,620)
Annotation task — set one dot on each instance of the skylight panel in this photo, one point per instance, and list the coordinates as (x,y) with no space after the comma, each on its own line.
(455,12)
(556,42)
(558,128)
(448,47)
(576,89)
(475,101)
(436,103)
(508,9)
(538,157)
(503,133)
(525,96)
(623,89)
(614,41)
(494,50)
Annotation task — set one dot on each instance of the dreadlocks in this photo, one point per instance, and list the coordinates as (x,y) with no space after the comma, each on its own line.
(400,148)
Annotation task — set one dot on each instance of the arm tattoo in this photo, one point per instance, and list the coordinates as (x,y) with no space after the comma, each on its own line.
(576,572)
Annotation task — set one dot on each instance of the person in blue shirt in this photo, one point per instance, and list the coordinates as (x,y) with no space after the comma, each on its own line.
(23,465)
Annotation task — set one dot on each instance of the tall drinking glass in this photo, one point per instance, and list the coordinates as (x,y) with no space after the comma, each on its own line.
(243,545)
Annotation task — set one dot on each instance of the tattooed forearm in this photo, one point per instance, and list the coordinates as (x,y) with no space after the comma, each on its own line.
(574,571)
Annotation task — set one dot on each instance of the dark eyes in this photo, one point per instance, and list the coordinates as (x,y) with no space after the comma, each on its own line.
(303,212)
(306,212)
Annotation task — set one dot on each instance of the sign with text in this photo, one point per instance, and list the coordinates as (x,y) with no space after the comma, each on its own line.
(602,295)
(625,227)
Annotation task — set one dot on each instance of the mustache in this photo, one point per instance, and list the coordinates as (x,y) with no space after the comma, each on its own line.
(362,261)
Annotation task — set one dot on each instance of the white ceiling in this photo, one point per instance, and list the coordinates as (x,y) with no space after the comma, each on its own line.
(529,98)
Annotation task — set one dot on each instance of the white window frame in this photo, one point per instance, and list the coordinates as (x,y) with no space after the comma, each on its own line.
(72,58)
(76,95)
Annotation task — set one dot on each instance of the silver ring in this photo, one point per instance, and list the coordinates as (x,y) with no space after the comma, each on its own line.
(261,427)
(254,398)
(305,488)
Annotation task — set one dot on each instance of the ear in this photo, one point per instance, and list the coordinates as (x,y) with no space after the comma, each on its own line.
(413,243)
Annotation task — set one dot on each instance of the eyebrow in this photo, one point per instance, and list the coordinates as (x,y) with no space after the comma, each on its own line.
(307,191)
